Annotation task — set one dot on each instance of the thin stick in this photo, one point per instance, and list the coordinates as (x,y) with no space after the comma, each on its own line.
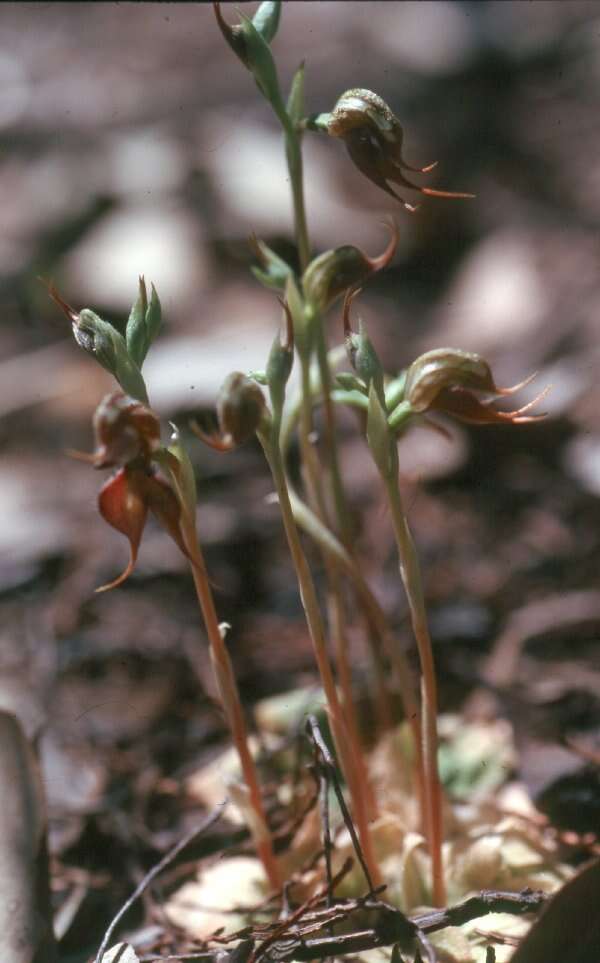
(322,778)
(329,766)
(162,864)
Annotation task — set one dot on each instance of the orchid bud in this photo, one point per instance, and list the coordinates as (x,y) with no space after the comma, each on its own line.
(373,136)
(143,324)
(125,430)
(273,271)
(106,344)
(333,272)
(279,364)
(250,41)
(361,353)
(240,408)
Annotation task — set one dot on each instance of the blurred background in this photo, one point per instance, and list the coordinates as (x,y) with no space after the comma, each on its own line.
(133,142)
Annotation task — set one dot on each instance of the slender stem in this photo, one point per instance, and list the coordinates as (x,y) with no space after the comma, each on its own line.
(318,384)
(411,577)
(308,596)
(330,544)
(232,705)
(293,153)
(344,519)
(339,495)
(335,604)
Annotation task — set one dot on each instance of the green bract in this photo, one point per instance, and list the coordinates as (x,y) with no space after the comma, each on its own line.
(143,324)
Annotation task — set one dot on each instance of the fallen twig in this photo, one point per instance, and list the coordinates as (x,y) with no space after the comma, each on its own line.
(168,858)
(328,766)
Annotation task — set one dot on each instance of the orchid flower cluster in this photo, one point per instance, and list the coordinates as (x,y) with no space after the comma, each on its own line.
(155,478)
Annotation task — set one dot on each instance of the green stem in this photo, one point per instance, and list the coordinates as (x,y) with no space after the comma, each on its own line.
(308,595)
(411,578)
(339,495)
(335,601)
(330,544)
(293,154)
(319,387)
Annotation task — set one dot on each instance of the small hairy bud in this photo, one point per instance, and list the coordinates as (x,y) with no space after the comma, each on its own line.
(240,408)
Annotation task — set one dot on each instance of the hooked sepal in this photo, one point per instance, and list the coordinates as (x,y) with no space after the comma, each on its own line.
(334,271)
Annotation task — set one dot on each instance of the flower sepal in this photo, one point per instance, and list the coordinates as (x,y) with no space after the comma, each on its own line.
(373,137)
(334,271)
(124,502)
(444,380)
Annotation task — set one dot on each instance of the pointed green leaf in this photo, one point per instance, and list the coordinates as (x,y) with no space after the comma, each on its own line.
(273,271)
(135,332)
(266,19)
(378,435)
(143,324)
(153,317)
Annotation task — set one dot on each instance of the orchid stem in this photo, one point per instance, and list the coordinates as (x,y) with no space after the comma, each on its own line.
(270,443)
(230,698)
(411,578)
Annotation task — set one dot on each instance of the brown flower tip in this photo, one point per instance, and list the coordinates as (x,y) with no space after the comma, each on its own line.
(373,136)
(232,35)
(66,308)
(465,406)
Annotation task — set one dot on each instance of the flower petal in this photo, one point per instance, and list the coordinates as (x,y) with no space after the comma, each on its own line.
(122,505)
(467,407)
